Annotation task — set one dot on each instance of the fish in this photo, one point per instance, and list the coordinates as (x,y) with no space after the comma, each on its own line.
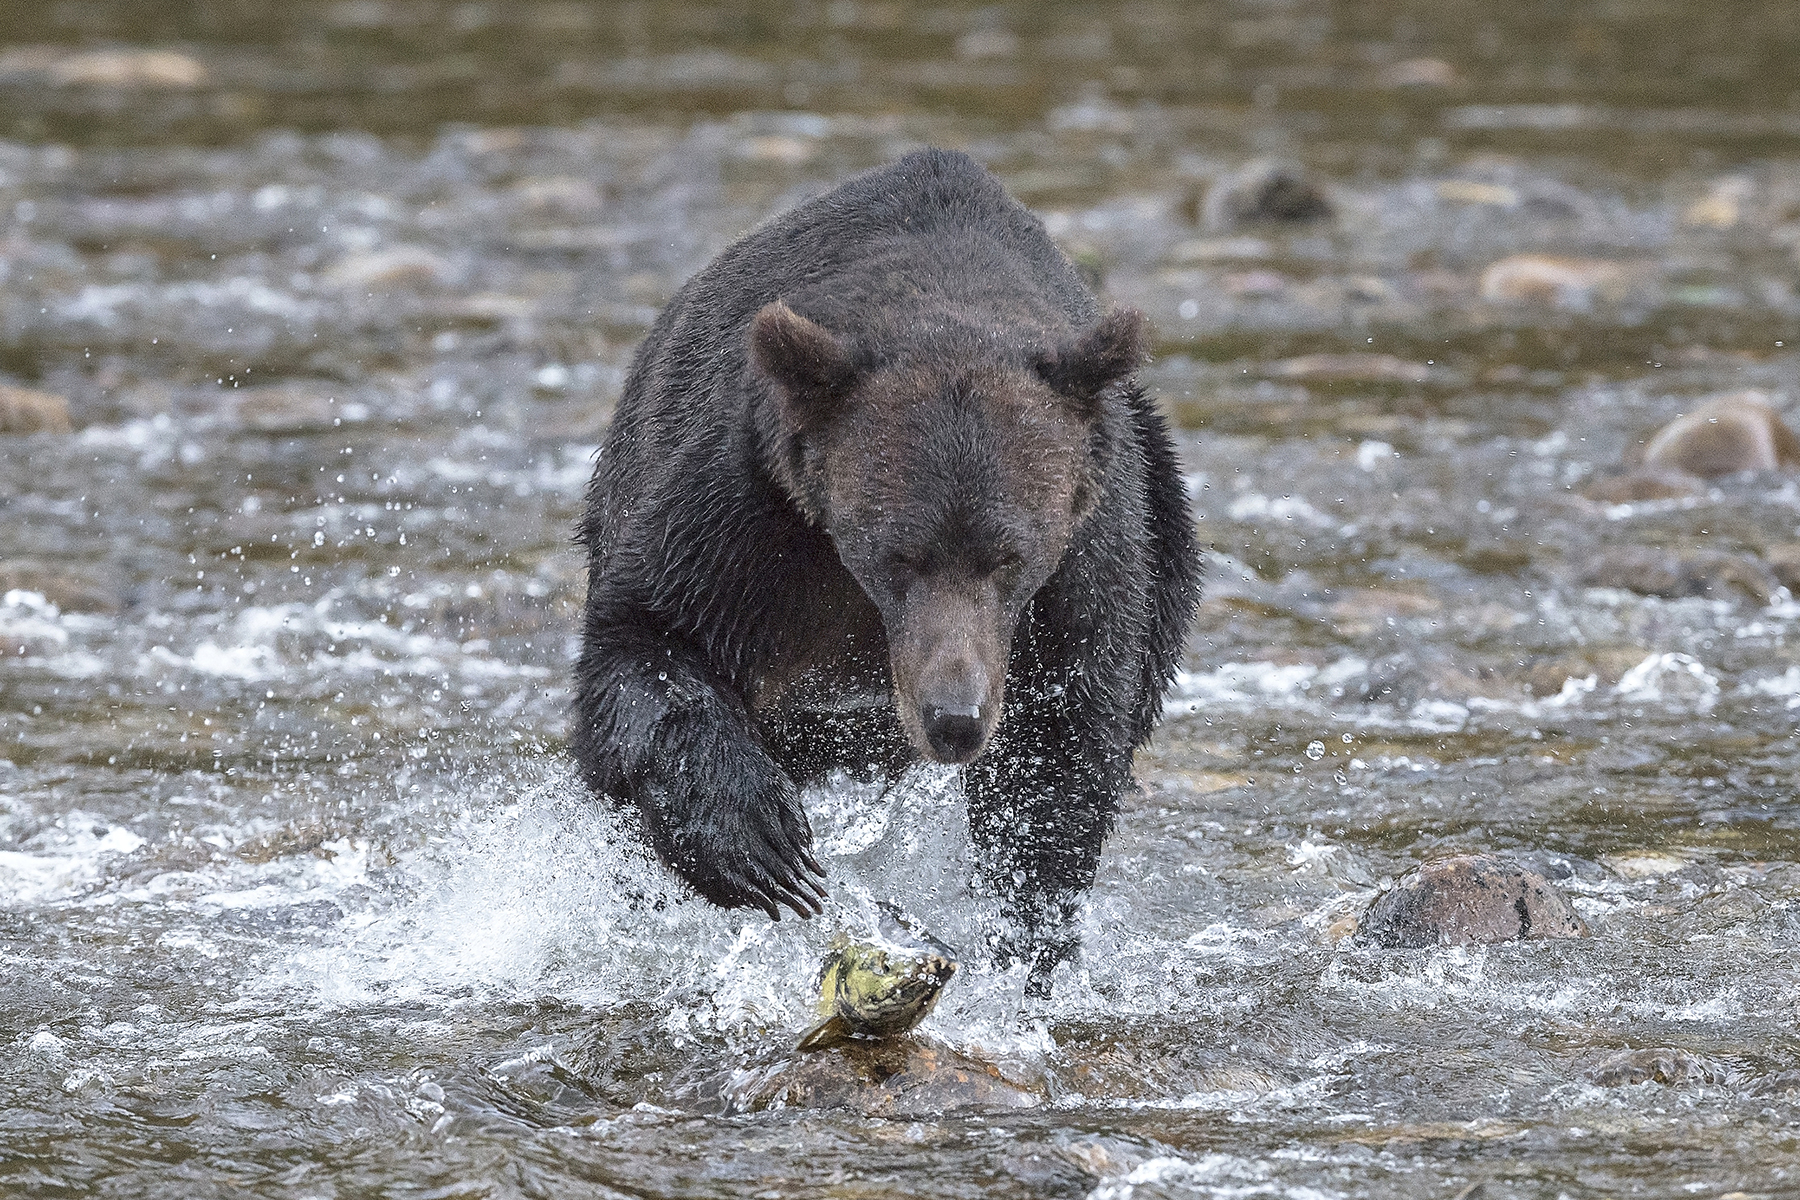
(881,986)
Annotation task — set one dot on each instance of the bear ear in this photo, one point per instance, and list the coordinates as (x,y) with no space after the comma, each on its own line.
(810,367)
(1095,359)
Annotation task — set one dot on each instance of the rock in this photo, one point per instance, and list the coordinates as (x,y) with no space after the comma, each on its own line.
(1783,561)
(1727,434)
(1665,1066)
(1723,205)
(1470,191)
(1646,483)
(69,593)
(387,270)
(1356,367)
(1605,665)
(887,1078)
(1226,249)
(1674,573)
(1419,73)
(1644,864)
(24,410)
(1474,899)
(165,69)
(1576,284)
(1265,192)
(285,408)
(558,195)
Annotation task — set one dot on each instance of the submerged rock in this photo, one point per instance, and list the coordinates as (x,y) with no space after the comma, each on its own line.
(1473,899)
(1265,192)
(1727,434)
(1568,283)
(68,591)
(25,410)
(1676,573)
(1354,367)
(1645,483)
(885,1078)
(134,68)
(1665,1066)
(393,269)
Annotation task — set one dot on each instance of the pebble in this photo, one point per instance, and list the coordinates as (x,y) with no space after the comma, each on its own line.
(1575,284)
(1665,1066)
(1783,560)
(1265,191)
(1676,573)
(25,410)
(1646,483)
(1722,207)
(389,270)
(1419,73)
(285,408)
(902,1077)
(1350,368)
(1224,249)
(1740,431)
(1469,191)
(558,195)
(1473,899)
(69,593)
(165,69)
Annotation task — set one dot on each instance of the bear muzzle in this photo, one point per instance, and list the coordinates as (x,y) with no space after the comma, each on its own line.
(949,662)
(956,733)
(954,708)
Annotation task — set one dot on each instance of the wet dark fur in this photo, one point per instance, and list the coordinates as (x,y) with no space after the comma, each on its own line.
(728,651)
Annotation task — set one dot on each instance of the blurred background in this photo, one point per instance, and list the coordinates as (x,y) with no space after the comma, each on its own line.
(313,314)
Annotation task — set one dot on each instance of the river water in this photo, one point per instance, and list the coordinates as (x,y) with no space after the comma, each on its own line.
(299,896)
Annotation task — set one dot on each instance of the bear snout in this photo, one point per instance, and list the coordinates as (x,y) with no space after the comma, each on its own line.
(956,732)
(954,704)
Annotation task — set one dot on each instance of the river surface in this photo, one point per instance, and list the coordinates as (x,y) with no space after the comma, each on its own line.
(299,896)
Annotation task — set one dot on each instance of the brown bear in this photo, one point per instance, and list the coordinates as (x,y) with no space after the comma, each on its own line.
(882,487)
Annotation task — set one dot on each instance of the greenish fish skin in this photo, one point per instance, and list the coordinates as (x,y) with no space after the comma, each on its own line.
(881,987)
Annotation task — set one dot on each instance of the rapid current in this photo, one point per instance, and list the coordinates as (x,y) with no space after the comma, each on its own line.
(299,896)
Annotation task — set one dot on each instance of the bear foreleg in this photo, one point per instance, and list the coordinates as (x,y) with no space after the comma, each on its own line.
(659,731)
(1040,807)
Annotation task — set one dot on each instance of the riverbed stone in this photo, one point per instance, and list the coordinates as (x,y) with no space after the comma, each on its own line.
(396,268)
(1676,572)
(1645,483)
(1663,1065)
(1474,899)
(899,1077)
(27,410)
(69,591)
(1574,284)
(128,68)
(1265,192)
(291,408)
(1740,431)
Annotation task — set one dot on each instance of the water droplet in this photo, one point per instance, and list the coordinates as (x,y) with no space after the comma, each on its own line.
(662,676)
(1315,750)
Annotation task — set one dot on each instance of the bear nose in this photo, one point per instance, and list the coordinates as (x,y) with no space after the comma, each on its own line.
(955,732)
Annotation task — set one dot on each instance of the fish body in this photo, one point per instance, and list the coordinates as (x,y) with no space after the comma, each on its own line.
(879,987)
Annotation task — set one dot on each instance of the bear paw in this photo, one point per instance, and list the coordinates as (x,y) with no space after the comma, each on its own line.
(757,855)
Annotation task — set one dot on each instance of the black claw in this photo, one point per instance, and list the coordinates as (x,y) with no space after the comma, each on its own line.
(801,906)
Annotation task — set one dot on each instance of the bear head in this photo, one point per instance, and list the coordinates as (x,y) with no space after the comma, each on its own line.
(951,480)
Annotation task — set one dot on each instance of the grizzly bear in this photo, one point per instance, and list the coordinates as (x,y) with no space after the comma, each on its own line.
(882,487)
